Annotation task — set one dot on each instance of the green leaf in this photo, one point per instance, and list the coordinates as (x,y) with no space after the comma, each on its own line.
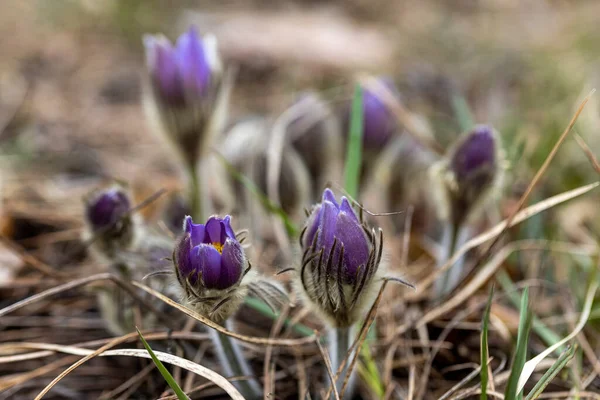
(354,150)
(558,365)
(521,352)
(163,371)
(484,346)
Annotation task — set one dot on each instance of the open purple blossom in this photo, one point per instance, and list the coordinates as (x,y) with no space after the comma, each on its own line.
(107,208)
(474,167)
(209,256)
(341,255)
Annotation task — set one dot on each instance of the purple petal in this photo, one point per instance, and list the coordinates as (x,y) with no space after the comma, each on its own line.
(215,231)
(356,245)
(232,263)
(196,231)
(329,196)
(207,260)
(182,259)
(228,230)
(166,75)
(347,208)
(193,65)
(312,225)
(327,226)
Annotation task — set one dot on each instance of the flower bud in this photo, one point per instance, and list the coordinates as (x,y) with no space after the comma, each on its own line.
(184,81)
(341,256)
(109,222)
(209,265)
(473,167)
(379,122)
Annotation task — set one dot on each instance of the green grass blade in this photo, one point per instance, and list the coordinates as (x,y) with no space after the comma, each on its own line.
(484,347)
(354,150)
(521,351)
(558,365)
(290,227)
(462,112)
(163,371)
(545,333)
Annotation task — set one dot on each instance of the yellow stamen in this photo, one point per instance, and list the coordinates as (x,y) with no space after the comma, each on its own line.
(219,247)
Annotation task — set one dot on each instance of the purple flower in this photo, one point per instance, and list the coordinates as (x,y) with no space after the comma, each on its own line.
(107,208)
(475,158)
(475,169)
(209,254)
(332,222)
(341,255)
(182,73)
(379,122)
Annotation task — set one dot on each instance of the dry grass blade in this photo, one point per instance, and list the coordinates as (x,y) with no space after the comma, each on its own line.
(211,324)
(460,384)
(93,354)
(498,230)
(588,152)
(55,290)
(104,352)
(490,269)
(82,282)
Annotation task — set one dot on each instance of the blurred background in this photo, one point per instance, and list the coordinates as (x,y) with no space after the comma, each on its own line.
(71,115)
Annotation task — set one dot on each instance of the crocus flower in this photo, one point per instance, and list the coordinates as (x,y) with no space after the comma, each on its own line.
(473,168)
(341,256)
(209,255)
(110,226)
(379,122)
(184,81)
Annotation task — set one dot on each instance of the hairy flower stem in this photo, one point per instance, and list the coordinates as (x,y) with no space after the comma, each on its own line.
(195,192)
(233,362)
(454,236)
(340,341)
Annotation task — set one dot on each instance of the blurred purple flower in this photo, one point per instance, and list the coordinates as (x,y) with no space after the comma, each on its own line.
(181,73)
(184,83)
(209,254)
(475,169)
(474,159)
(379,122)
(107,208)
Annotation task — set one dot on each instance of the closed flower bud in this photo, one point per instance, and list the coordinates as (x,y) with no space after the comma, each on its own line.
(110,225)
(210,264)
(379,122)
(184,82)
(341,256)
(470,172)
